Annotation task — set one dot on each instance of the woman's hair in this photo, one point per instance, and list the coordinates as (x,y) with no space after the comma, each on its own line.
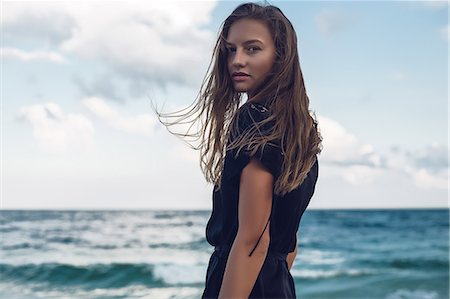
(282,92)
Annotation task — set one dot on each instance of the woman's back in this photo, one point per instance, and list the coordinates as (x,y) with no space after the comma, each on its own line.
(284,218)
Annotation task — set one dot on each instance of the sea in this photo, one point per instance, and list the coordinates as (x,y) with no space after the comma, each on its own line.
(364,254)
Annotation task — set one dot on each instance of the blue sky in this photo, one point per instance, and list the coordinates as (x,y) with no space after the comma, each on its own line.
(78,131)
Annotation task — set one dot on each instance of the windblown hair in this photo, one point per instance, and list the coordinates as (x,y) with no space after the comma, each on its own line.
(282,92)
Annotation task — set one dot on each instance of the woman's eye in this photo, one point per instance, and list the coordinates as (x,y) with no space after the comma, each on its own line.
(254,49)
(250,49)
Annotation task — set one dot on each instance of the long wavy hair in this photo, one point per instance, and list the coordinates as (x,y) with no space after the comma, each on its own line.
(282,92)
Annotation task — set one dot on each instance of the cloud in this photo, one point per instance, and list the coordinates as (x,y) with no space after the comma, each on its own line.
(140,124)
(359,163)
(343,148)
(434,4)
(346,157)
(425,179)
(36,55)
(433,158)
(57,131)
(158,42)
(429,166)
(102,86)
(38,22)
(332,22)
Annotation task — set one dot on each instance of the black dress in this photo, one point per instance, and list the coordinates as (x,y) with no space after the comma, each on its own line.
(274,279)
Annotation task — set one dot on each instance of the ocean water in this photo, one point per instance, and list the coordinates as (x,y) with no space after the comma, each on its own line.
(390,254)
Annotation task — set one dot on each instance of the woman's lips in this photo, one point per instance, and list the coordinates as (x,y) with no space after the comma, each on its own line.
(240,77)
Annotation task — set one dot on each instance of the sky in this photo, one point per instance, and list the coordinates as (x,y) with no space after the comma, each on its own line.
(78,131)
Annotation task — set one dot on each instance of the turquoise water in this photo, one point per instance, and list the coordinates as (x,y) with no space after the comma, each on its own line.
(389,254)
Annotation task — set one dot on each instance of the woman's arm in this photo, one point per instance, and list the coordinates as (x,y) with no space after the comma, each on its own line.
(255,203)
(291,256)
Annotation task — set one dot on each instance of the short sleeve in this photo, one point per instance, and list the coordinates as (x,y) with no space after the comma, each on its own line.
(270,156)
(269,153)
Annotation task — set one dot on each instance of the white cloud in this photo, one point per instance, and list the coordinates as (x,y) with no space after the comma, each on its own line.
(360,164)
(36,55)
(424,179)
(433,4)
(343,148)
(140,124)
(57,131)
(360,174)
(428,166)
(152,41)
(44,22)
(357,162)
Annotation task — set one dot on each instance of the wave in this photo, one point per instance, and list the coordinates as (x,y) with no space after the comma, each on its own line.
(25,245)
(409,263)
(315,274)
(101,275)
(434,264)
(413,294)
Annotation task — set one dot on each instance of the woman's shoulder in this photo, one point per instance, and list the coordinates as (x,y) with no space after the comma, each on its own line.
(256,108)
(250,122)
(251,113)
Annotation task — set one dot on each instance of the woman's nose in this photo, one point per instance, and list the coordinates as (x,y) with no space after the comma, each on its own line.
(238,58)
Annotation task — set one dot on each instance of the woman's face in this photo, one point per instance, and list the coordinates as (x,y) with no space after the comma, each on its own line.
(251,50)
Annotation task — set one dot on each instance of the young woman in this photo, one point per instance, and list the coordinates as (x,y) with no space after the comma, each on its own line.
(261,155)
